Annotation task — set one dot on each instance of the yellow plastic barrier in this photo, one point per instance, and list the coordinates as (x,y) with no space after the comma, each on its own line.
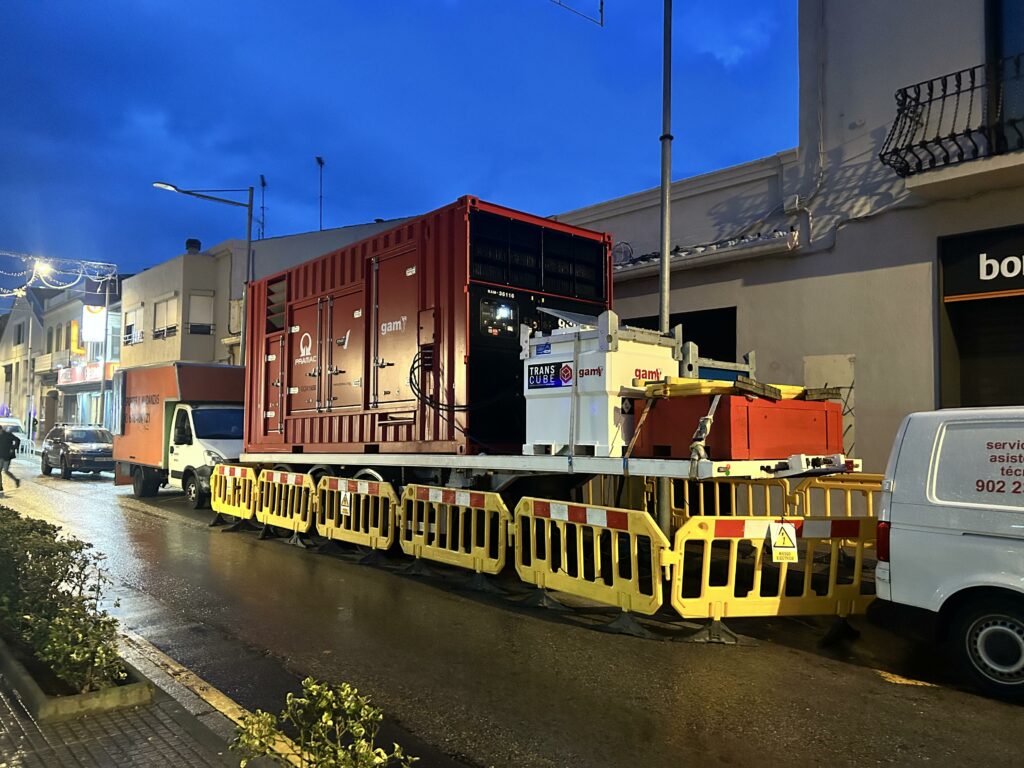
(852,495)
(287,500)
(612,556)
(713,578)
(233,491)
(356,511)
(467,529)
(734,496)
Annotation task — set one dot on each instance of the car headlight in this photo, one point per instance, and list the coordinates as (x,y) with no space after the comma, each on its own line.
(213,457)
(72,448)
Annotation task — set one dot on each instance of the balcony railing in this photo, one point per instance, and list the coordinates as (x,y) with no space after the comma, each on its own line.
(52,361)
(962,116)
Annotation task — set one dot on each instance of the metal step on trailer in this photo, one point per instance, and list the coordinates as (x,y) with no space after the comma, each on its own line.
(799,465)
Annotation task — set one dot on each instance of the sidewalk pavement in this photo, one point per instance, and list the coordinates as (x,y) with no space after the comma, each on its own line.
(176,729)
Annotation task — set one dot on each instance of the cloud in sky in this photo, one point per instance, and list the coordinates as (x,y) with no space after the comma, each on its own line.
(411,104)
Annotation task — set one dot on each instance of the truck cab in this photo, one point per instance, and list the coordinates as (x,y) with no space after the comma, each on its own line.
(201,437)
(951,537)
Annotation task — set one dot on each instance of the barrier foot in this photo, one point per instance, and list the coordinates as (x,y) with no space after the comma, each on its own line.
(330,547)
(239,525)
(373,557)
(218,519)
(480,583)
(267,532)
(296,540)
(541,598)
(625,624)
(840,631)
(714,631)
(418,568)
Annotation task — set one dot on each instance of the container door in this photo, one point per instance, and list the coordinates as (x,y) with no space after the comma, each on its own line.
(396,293)
(305,326)
(272,402)
(344,351)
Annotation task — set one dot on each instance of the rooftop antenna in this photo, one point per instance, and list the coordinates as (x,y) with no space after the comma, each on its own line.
(320,162)
(263,206)
(599,19)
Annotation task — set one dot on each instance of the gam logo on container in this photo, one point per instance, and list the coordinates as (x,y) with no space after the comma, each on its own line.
(393,326)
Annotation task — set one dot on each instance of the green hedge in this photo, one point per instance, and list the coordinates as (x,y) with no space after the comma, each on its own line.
(50,590)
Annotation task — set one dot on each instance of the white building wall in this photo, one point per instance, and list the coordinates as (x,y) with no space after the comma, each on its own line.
(857,298)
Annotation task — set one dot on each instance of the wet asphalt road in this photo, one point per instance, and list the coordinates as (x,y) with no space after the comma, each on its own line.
(468,679)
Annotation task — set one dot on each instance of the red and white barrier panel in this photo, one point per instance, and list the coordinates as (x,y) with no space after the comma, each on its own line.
(578,513)
(228,470)
(366,487)
(285,478)
(820,528)
(449,496)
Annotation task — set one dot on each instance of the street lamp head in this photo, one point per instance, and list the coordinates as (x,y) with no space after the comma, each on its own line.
(165,185)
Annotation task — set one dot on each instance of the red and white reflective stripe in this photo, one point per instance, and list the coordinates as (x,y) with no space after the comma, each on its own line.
(599,517)
(285,478)
(228,470)
(821,528)
(450,496)
(365,487)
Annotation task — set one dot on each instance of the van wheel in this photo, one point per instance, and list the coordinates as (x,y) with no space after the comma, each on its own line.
(141,485)
(44,466)
(195,497)
(988,639)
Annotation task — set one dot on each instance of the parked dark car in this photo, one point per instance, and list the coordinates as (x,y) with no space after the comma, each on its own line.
(77,448)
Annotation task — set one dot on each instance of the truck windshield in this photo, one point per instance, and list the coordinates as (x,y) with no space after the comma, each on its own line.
(89,436)
(218,423)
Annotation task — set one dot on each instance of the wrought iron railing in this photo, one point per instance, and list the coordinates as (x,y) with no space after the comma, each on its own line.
(966,115)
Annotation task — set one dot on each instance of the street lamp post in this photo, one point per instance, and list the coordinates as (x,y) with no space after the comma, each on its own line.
(201,194)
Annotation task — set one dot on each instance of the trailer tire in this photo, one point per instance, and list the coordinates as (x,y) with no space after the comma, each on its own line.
(193,493)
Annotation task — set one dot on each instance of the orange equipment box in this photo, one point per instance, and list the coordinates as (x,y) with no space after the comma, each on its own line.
(743,428)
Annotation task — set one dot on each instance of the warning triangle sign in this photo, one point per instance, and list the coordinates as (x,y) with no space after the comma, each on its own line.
(783,540)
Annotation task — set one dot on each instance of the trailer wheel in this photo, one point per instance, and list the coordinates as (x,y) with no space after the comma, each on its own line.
(988,643)
(196,498)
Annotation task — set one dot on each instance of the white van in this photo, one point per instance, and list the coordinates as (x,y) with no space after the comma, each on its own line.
(951,536)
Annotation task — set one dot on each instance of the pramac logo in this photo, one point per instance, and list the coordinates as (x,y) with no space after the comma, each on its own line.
(306,355)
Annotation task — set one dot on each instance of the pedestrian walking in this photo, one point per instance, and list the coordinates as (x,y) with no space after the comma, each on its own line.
(9,444)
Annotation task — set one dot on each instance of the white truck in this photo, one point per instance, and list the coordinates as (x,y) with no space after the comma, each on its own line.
(177,421)
(951,537)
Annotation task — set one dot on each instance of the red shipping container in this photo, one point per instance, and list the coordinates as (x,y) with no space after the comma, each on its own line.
(743,428)
(408,341)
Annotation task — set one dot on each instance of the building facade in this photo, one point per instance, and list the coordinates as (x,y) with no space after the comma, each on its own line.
(883,255)
(22,340)
(81,345)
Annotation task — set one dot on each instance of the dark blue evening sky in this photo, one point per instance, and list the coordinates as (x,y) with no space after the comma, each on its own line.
(411,103)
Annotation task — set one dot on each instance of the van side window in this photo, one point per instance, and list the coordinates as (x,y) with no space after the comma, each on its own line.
(182,428)
(980,463)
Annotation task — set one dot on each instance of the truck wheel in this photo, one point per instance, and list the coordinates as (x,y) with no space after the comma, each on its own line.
(141,485)
(988,639)
(196,498)
(65,468)
(44,466)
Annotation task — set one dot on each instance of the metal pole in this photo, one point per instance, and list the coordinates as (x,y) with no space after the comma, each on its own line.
(28,367)
(664,484)
(106,352)
(245,281)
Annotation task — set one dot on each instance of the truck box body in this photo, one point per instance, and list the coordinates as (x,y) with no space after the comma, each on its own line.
(148,395)
(409,341)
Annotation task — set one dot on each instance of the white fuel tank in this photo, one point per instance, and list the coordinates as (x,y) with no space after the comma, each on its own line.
(572,379)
